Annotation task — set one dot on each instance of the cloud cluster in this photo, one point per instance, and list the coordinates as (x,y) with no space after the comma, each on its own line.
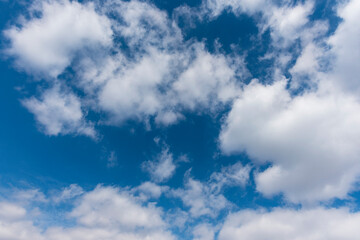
(313,134)
(117,214)
(59,112)
(315,224)
(132,64)
(103,213)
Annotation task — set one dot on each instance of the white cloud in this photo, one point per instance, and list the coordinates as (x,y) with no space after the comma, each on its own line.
(203,232)
(163,168)
(116,214)
(69,193)
(59,112)
(154,74)
(134,93)
(209,80)
(48,43)
(9,211)
(201,199)
(109,207)
(283,224)
(216,7)
(233,175)
(142,24)
(103,213)
(315,134)
(206,198)
(161,84)
(285,19)
(287,22)
(151,189)
(345,48)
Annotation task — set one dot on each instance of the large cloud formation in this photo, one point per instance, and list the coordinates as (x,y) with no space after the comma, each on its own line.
(132,65)
(314,133)
(118,214)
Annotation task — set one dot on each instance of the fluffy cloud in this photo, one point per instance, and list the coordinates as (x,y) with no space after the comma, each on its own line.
(150,189)
(48,43)
(103,213)
(315,135)
(108,207)
(140,67)
(281,224)
(59,112)
(116,214)
(203,232)
(345,48)
(162,168)
(14,225)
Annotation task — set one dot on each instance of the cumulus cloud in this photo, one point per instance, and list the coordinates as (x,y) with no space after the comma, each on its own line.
(314,135)
(103,213)
(163,168)
(287,22)
(48,43)
(316,224)
(311,134)
(59,112)
(150,189)
(116,214)
(203,232)
(14,225)
(345,48)
(140,67)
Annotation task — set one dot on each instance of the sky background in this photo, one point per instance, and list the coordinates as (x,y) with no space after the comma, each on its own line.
(164,120)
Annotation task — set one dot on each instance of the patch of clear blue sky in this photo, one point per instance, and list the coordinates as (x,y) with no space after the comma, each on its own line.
(29,158)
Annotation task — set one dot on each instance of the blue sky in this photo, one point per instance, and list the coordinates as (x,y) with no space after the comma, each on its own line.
(203,120)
